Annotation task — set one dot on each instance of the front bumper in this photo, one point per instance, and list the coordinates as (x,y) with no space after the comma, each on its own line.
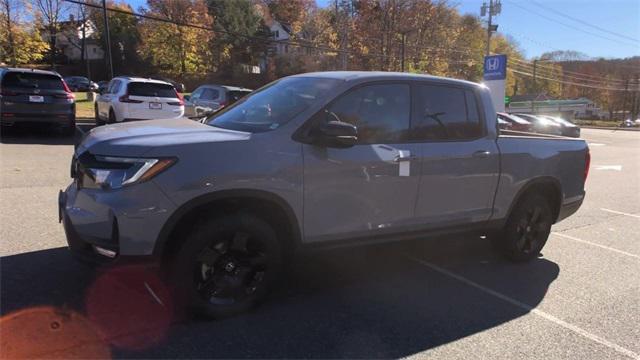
(109,226)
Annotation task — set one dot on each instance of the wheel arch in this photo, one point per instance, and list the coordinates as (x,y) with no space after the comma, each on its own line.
(263,203)
(549,186)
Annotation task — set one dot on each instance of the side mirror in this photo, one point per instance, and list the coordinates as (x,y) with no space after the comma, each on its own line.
(336,134)
(186,97)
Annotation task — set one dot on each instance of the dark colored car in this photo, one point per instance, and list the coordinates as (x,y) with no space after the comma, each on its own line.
(213,98)
(80,83)
(542,125)
(516,123)
(36,96)
(102,86)
(179,86)
(568,128)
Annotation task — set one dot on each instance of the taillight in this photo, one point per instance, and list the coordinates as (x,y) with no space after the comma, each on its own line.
(69,94)
(125,99)
(587,164)
(180,101)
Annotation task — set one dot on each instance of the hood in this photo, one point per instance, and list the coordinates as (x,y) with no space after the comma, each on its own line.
(137,138)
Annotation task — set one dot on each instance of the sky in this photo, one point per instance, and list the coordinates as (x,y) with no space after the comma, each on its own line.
(541,26)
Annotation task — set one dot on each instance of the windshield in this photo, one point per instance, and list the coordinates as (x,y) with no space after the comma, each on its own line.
(273,105)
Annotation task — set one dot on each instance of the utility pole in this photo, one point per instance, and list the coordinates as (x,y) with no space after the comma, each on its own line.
(493,9)
(535,83)
(107,39)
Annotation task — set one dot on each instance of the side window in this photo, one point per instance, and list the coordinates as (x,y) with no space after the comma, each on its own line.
(444,113)
(210,94)
(196,94)
(380,112)
(114,87)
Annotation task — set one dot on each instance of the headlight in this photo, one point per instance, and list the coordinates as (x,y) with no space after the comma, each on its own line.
(109,172)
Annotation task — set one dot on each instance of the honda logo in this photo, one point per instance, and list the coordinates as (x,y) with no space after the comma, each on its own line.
(493,64)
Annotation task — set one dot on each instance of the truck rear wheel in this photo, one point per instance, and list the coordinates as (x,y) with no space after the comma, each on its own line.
(226,265)
(527,229)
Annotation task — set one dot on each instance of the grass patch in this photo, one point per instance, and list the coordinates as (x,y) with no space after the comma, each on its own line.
(602,123)
(84,107)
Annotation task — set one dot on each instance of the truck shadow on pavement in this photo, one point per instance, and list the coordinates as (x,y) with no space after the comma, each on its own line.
(43,134)
(373,302)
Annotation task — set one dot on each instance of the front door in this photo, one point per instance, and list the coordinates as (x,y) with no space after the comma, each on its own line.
(371,188)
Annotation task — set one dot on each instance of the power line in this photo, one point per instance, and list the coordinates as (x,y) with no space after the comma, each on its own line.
(569,26)
(567,82)
(572,74)
(268,40)
(585,23)
(559,73)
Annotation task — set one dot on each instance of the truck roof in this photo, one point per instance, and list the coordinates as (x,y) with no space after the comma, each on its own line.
(381,75)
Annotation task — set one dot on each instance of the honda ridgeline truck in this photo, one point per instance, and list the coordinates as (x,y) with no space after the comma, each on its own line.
(314,160)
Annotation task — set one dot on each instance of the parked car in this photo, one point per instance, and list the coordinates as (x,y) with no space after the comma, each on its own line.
(213,97)
(630,123)
(517,123)
(102,86)
(503,124)
(36,96)
(542,125)
(309,161)
(178,85)
(132,98)
(80,83)
(568,128)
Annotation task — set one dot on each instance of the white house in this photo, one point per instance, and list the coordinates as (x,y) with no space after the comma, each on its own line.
(69,40)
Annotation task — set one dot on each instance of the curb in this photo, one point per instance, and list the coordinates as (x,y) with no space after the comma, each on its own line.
(612,128)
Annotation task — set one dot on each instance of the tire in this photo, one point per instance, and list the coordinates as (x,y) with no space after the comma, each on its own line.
(527,229)
(226,266)
(99,120)
(112,117)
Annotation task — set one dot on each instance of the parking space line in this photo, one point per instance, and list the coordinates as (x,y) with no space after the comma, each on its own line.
(598,245)
(620,213)
(526,307)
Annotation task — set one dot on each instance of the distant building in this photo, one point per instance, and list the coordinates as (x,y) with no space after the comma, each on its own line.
(68,40)
(576,108)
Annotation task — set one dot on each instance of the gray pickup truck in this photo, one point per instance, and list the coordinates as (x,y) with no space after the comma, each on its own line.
(309,161)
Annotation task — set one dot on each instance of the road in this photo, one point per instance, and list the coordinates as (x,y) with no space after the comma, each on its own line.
(440,299)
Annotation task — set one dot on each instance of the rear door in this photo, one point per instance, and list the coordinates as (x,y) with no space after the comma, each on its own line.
(106,99)
(460,160)
(371,188)
(151,100)
(210,98)
(34,94)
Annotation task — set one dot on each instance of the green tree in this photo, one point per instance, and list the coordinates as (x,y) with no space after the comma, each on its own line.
(241,29)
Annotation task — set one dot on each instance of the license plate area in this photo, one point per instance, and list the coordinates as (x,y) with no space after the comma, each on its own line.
(36,98)
(155,105)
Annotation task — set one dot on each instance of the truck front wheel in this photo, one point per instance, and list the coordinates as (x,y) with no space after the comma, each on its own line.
(527,229)
(226,266)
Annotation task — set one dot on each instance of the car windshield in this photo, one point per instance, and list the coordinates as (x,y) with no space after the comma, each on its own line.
(32,81)
(273,105)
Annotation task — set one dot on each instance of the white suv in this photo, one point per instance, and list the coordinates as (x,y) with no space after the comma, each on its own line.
(132,98)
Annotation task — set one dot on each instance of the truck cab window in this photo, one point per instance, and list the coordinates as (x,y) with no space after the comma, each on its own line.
(444,113)
(380,112)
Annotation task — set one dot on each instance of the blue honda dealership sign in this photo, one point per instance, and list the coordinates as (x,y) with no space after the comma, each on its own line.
(495,67)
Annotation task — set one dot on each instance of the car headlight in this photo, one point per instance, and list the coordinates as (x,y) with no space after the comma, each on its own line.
(110,172)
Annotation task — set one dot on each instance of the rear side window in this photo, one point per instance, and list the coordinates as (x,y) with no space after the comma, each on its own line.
(444,113)
(380,112)
(209,94)
(151,89)
(32,81)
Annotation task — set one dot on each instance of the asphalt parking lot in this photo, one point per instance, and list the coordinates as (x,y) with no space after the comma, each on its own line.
(444,299)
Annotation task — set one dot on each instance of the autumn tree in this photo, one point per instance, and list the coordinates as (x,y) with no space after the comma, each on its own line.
(20,41)
(175,47)
(50,12)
